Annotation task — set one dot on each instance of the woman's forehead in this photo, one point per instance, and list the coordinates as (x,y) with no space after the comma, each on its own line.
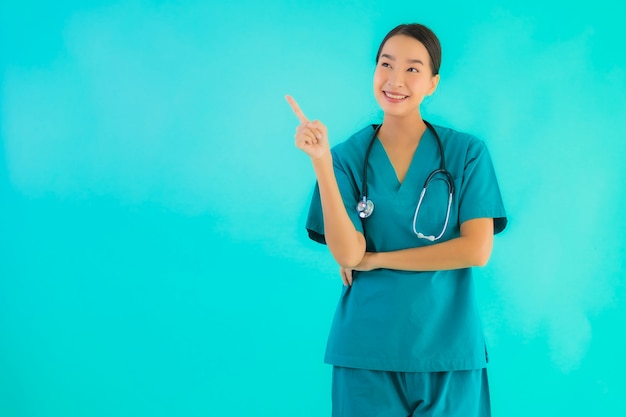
(404,47)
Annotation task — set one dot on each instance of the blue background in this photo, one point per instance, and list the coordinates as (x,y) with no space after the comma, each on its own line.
(153,257)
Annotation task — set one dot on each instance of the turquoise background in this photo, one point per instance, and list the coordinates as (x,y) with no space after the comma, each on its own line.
(153,257)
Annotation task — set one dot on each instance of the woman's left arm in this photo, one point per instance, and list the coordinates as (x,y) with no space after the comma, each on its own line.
(472,248)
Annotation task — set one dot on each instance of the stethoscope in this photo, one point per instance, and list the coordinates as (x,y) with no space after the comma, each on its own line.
(365,207)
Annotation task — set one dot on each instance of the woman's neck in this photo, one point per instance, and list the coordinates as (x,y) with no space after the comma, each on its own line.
(402,130)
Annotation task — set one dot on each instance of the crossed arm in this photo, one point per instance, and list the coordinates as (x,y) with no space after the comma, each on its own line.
(471,248)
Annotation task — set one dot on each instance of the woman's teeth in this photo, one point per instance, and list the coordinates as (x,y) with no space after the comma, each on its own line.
(394,96)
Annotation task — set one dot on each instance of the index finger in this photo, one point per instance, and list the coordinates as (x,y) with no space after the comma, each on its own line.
(296,109)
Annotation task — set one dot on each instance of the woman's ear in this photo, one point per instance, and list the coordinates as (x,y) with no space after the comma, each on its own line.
(434,84)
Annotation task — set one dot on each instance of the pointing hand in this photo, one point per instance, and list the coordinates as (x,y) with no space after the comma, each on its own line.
(311,137)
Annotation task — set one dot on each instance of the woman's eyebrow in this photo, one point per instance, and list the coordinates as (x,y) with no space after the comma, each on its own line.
(412,61)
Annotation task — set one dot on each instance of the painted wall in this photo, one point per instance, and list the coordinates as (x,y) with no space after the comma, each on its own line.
(153,258)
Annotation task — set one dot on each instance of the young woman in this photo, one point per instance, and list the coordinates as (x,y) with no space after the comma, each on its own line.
(406,209)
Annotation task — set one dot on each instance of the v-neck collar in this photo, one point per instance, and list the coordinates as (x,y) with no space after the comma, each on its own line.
(414,171)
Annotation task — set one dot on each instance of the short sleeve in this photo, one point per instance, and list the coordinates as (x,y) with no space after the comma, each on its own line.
(480,195)
(350,195)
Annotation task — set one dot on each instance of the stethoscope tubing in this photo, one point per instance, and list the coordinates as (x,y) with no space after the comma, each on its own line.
(365,207)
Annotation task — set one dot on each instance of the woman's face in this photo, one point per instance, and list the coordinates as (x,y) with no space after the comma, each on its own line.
(403,76)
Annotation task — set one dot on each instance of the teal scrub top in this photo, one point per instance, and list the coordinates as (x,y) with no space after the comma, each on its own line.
(406,321)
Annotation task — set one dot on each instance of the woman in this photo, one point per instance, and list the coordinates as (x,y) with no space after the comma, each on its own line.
(406,338)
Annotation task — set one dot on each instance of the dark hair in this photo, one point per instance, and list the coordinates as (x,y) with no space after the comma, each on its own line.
(423,35)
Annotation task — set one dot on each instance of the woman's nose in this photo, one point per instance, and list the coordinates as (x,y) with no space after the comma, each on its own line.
(394,81)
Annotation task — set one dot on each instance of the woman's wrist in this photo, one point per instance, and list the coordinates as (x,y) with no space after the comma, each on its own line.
(375,260)
(370,261)
(322,159)
(323,164)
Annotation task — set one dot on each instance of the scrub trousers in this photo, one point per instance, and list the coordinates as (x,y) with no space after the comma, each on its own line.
(366,393)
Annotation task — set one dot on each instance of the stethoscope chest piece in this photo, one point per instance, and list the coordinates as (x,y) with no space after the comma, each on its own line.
(365,208)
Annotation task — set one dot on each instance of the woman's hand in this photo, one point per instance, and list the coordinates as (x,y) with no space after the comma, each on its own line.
(346,276)
(367,264)
(311,137)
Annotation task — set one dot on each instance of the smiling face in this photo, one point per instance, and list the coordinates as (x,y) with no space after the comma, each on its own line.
(403,76)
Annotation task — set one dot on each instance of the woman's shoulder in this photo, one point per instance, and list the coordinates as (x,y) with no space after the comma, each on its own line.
(459,140)
(458,136)
(356,144)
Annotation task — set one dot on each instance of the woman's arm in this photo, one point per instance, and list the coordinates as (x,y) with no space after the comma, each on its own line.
(472,248)
(346,244)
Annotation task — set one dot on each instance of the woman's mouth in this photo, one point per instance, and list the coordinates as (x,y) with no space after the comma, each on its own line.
(394,97)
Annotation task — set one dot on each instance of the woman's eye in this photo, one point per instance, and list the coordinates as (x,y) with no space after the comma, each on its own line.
(413,70)
(385,64)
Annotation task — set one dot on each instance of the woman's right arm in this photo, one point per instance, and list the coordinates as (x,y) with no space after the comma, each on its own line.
(346,244)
